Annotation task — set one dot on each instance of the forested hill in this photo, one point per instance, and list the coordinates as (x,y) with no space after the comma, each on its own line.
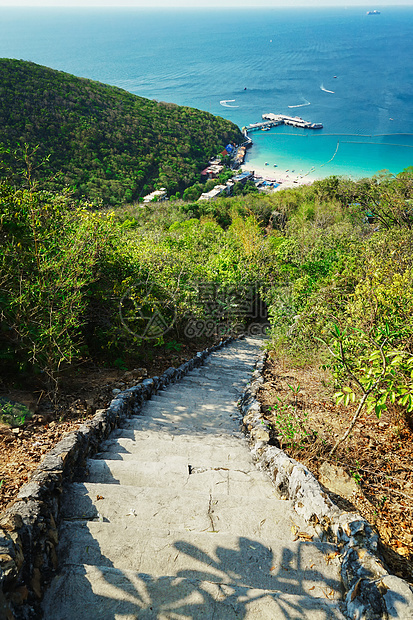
(103,141)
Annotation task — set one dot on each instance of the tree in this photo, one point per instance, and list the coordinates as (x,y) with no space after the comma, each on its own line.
(373,368)
(49,250)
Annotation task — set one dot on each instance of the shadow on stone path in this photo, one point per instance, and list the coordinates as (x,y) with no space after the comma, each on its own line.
(173,520)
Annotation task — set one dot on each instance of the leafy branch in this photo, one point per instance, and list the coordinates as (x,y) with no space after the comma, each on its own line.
(381,373)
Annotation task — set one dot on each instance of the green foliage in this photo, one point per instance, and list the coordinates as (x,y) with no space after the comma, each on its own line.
(173,345)
(343,260)
(12,413)
(386,199)
(374,367)
(47,259)
(103,142)
(242,189)
(288,423)
(193,193)
(77,283)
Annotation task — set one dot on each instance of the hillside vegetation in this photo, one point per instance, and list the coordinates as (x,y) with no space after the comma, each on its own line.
(334,268)
(329,265)
(103,142)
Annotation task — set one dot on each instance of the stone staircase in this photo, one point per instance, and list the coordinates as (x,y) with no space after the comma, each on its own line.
(174,522)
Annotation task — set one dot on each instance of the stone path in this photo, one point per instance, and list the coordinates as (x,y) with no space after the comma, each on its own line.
(174,522)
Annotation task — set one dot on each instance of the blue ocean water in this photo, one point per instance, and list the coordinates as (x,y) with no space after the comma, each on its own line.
(348,70)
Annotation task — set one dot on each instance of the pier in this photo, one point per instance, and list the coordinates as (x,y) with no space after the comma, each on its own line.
(273,120)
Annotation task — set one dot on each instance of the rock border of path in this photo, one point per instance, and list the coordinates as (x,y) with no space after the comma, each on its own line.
(371,592)
(28,528)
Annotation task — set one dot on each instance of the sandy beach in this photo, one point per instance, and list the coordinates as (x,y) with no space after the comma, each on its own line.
(286,178)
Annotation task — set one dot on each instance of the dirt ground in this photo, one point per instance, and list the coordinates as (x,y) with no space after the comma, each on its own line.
(375,463)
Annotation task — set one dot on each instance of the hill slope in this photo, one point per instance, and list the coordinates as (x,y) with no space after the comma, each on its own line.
(105,142)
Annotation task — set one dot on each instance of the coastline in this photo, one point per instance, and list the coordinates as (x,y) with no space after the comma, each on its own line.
(286,178)
(318,157)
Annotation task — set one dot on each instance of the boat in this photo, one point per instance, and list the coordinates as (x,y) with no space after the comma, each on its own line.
(375,12)
(266,163)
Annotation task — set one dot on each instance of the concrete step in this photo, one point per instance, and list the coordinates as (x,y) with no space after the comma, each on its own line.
(188,415)
(202,450)
(195,408)
(176,509)
(235,356)
(176,427)
(85,592)
(191,397)
(228,368)
(210,387)
(294,567)
(182,476)
(215,376)
(222,378)
(209,405)
(175,523)
(195,420)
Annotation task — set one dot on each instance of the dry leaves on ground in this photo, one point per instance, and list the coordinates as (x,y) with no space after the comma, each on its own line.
(378,456)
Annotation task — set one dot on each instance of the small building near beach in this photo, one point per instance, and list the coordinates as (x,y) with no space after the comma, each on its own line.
(212,172)
(243,177)
(157,195)
(218,190)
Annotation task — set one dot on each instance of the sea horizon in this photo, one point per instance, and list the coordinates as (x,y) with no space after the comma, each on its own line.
(341,67)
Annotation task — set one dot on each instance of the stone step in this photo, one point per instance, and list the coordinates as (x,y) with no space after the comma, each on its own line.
(196,411)
(177,509)
(176,427)
(204,450)
(84,592)
(228,369)
(192,397)
(187,415)
(182,476)
(197,421)
(233,357)
(201,406)
(196,408)
(294,567)
(213,376)
(209,386)
(218,378)
(176,523)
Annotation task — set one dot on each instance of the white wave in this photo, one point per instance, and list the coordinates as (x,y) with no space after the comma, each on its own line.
(225,103)
(327,91)
(301,105)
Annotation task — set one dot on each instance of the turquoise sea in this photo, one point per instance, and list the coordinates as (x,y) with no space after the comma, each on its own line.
(351,71)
